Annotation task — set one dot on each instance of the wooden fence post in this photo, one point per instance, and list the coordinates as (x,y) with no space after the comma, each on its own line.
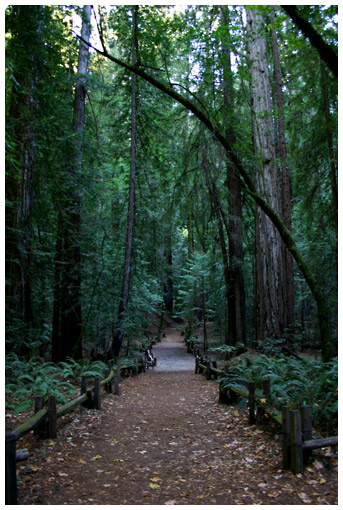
(97,396)
(266,387)
(286,428)
(296,447)
(208,370)
(266,393)
(108,386)
(10,470)
(84,383)
(52,417)
(251,387)
(306,428)
(117,382)
(214,365)
(41,430)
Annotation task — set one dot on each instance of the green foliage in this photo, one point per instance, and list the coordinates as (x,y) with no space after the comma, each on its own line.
(26,379)
(185,47)
(77,369)
(293,382)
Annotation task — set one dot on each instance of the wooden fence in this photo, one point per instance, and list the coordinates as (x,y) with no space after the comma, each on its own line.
(296,423)
(44,421)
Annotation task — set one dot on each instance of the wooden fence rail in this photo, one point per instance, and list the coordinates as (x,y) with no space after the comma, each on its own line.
(44,423)
(296,424)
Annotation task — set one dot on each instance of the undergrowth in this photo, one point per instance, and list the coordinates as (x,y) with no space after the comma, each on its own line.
(27,379)
(294,382)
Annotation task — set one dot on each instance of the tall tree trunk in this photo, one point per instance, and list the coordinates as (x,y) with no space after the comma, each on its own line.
(124,298)
(237,329)
(288,280)
(67,331)
(269,263)
(20,175)
(212,188)
(168,281)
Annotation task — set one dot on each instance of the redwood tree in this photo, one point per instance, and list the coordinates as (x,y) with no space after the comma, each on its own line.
(67,324)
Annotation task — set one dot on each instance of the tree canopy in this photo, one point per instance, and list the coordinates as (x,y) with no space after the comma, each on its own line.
(179,176)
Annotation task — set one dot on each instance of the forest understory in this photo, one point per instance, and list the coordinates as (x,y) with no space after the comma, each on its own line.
(166,440)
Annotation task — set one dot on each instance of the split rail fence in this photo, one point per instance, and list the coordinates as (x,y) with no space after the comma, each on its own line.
(44,422)
(296,423)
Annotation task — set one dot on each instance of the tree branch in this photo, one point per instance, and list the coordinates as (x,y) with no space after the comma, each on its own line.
(251,189)
(327,54)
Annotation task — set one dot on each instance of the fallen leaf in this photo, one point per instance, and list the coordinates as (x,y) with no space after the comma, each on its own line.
(97,457)
(317,464)
(273,494)
(154,485)
(304,497)
(155,479)
(171,502)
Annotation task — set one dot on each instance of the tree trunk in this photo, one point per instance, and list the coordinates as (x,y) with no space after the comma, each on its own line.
(168,281)
(69,332)
(124,298)
(20,175)
(269,263)
(236,306)
(288,280)
(212,188)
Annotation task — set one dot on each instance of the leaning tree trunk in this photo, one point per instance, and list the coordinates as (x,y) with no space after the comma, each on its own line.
(249,188)
(69,327)
(269,263)
(125,290)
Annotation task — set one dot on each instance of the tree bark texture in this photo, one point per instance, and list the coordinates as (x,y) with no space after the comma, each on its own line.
(269,263)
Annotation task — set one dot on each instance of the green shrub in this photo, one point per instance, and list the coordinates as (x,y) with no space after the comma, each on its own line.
(26,379)
(293,382)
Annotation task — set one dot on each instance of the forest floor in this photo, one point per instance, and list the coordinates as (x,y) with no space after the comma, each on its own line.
(166,440)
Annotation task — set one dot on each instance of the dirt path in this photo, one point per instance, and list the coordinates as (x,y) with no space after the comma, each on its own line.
(172,355)
(166,440)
